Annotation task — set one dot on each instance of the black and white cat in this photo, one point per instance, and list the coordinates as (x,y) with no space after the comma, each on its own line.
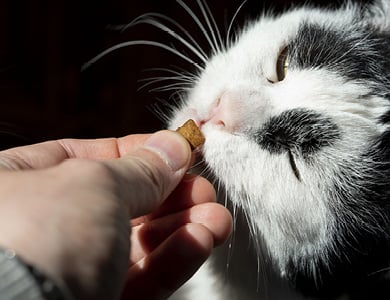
(296,114)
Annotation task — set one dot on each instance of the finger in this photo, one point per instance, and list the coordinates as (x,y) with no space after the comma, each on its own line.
(148,169)
(188,248)
(192,190)
(51,153)
(149,172)
(147,237)
(102,148)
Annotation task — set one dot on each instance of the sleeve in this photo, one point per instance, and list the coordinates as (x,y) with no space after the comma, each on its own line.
(20,281)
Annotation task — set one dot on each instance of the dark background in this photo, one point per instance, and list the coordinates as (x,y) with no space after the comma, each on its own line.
(43,45)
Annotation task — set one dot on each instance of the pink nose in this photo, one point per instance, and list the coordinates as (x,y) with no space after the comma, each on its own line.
(224,112)
(218,114)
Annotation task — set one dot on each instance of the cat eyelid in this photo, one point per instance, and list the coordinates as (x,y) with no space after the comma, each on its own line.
(294,165)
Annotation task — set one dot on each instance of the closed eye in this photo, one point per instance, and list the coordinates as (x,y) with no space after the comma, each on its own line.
(294,165)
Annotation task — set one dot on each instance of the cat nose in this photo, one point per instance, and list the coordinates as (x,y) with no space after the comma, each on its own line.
(218,114)
(222,112)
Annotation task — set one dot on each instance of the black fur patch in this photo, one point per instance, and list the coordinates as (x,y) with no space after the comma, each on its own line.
(300,131)
(357,53)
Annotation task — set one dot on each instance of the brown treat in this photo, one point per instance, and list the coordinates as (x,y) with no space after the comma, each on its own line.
(191,133)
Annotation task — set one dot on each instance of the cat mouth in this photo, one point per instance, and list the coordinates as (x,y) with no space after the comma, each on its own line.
(213,120)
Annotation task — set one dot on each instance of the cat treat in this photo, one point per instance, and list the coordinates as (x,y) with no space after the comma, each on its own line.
(191,133)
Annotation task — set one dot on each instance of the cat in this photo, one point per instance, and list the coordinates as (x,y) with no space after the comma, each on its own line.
(295,109)
(296,112)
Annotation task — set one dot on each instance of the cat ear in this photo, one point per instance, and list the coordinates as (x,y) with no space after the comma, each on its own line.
(377,15)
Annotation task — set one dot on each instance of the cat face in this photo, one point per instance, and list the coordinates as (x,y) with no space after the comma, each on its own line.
(295,113)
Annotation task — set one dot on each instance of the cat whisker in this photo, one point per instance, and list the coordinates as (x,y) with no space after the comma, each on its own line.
(384,270)
(177,87)
(180,73)
(232,239)
(197,165)
(138,42)
(187,83)
(205,171)
(172,87)
(228,37)
(200,25)
(179,78)
(154,80)
(183,81)
(162,114)
(199,53)
(212,25)
(163,17)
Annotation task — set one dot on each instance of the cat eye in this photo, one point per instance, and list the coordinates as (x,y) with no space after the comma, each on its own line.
(282,64)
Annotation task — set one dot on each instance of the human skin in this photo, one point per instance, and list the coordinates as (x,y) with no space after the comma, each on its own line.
(72,208)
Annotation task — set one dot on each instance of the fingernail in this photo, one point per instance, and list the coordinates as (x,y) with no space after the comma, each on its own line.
(171,147)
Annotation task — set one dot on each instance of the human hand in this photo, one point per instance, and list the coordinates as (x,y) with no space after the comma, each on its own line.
(169,245)
(65,208)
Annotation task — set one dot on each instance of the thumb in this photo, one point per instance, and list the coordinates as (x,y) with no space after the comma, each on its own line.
(151,171)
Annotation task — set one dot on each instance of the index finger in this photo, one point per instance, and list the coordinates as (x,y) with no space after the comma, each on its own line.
(51,153)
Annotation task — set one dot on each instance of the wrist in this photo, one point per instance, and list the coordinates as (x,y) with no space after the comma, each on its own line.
(19,280)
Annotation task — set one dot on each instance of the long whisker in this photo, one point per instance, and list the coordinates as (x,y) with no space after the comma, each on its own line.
(169,87)
(232,240)
(181,79)
(151,81)
(183,74)
(197,165)
(213,28)
(384,270)
(166,18)
(134,43)
(199,23)
(228,38)
(163,109)
(172,33)
(184,79)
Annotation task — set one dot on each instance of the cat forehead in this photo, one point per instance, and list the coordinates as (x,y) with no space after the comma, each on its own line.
(315,39)
(261,41)
(285,26)
(281,28)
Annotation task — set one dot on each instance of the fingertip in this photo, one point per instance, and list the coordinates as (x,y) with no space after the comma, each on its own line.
(216,218)
(226,225)
(202,236)
(202,189)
